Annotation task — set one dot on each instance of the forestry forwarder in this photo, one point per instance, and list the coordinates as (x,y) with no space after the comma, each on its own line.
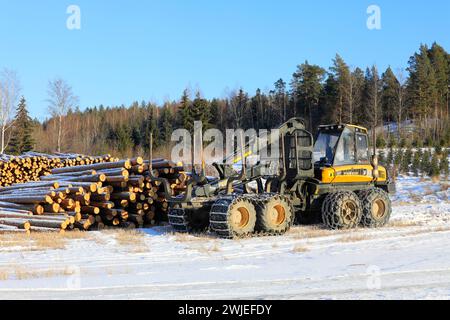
(335,181)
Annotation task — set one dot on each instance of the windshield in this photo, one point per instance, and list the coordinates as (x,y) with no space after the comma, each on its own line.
(325,146)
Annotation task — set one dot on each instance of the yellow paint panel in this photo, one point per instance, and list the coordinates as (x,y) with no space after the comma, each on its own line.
(351,173)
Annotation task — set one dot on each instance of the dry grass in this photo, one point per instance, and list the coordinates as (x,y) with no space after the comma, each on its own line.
(20,273)
(300,249)
(134,240)
(312,232)
(403,224)
(355,238)
(428,230)
(40,241)
(186,237)
(128,237)
(436,179)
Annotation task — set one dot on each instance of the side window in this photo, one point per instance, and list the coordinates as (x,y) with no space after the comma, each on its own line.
(362,146)
(345,153)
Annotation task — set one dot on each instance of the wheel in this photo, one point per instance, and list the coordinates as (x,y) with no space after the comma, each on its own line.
(275,214)
(376,208)
(189,220)
(233,217)
(341,210)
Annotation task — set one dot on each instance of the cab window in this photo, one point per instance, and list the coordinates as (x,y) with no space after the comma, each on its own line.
(345,152)
(362,146)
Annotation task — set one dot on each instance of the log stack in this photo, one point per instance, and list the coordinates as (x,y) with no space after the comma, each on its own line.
(90,196)
(30,166)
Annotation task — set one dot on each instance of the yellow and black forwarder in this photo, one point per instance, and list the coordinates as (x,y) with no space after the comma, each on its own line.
(335,180)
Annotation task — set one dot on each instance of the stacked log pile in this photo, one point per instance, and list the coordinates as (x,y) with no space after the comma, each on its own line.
(91,196)
(30,166)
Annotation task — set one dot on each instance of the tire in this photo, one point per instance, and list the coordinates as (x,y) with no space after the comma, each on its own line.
(376,208)
(341,210)
(275,215)
(233,217)
(189,220)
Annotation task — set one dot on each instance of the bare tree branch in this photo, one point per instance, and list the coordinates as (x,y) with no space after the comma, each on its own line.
(61,100)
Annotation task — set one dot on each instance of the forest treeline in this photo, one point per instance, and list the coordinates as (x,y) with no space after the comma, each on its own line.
(415,98)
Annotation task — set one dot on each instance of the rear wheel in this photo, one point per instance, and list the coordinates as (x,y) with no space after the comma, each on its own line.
(341,210)
(233,217)
(275,214)
(376,208)
(189,220)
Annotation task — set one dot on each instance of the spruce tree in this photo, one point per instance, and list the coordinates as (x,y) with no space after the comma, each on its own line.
(406,161)
(434,169)
(199,111)
(416,164)
(398,157)
(389,94)
(381,142)
(444,165)
(438,149)
(185,117)
(21,138)
(425,163)
(165,124)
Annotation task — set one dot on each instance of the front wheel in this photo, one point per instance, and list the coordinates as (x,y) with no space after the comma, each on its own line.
(377,208)
(341,210)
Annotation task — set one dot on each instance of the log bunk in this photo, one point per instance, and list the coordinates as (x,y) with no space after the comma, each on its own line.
(65,192)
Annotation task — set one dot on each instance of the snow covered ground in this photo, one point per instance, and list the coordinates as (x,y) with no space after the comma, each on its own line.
(409,259)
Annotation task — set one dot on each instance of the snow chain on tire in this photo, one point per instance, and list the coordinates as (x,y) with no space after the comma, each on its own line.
(275,214)
(233,217)
(341,210)
(181,221)
(376,208)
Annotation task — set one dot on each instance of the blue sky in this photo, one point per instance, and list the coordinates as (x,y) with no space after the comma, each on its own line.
(151,50)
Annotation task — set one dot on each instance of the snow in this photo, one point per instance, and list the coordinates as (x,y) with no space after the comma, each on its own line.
(409,259)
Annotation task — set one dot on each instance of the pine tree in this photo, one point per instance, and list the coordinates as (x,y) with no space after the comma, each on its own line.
(406,161)
(307,85)
(372,90)
(165,124)
(438,57)
(185,117)
(438,149)
(281,100)
(150,125)
(21,139)
(444,165)
(434,169)
(416,164)
(425,163)
(389,94)
(199,111)
(381,142)
(342,75)
(398,157)
(422,86)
